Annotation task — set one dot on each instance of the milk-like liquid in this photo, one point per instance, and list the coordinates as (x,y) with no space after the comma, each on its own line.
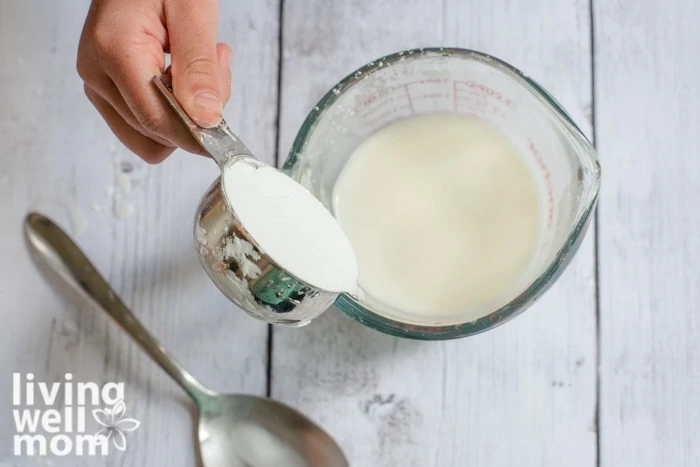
(444,214)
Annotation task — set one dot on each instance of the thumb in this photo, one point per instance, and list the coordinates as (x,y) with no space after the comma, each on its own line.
(192,29)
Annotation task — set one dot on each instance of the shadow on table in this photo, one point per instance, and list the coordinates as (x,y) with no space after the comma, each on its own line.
(335,355)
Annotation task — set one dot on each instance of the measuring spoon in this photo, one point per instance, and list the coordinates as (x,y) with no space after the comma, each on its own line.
(275,296)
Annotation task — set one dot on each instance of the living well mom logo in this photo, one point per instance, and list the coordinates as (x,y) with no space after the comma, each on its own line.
(52,418)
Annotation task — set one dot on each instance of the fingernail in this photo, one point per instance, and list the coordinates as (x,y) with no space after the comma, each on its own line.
(210,103)
(229,56)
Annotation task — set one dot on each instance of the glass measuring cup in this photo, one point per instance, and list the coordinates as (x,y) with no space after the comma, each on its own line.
(461,81)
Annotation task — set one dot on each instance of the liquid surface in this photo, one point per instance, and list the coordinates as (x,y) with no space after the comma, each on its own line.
(444,215)
(291,226)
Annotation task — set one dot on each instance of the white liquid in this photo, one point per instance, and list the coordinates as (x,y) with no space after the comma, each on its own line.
(444,215)
(291,226)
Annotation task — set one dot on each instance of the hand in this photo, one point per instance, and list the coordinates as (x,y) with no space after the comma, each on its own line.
(123,45)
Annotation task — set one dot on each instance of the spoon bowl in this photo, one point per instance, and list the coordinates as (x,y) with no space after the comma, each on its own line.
(261,435)
(234,430)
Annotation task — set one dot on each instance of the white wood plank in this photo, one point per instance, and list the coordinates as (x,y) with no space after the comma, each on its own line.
(57,155)
(523,394)
(647,119)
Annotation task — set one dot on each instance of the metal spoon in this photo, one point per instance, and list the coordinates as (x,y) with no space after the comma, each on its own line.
(234,430)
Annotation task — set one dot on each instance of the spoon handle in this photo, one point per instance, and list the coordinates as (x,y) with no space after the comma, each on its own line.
(66,259)
(220,142)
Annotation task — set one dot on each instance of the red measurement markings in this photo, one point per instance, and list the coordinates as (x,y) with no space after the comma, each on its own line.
(382,104)
(435,95)
(391,89)
(378,102)
(477,104)
(480,98)
(474,103)
(425,81)
(487,91)
(373,122)
(371,104)
(410,101)
(547,179)
(382,92)
(367,102)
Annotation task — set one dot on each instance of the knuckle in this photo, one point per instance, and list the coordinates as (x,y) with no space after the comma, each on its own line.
(83,68)
(201,67)
(91,96)
(102,40)
(86,65)
(154,122)
(96,46)
(109,48)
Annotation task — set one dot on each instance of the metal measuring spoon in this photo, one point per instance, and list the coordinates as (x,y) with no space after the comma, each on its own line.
(234,430)
(275,296)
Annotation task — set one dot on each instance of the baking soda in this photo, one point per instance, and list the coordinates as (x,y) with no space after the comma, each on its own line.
(291,226)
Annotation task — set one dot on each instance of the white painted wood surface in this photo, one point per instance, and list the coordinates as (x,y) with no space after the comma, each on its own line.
(647,98)
(524,394)
(57,155)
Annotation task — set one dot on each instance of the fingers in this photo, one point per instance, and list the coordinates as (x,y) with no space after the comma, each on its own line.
(131,75)
(108,91)
(123,46)
(192,29)
(149,150)
(224,55)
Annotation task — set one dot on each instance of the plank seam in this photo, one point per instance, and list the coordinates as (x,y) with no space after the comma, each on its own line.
(280,41)
(596,235)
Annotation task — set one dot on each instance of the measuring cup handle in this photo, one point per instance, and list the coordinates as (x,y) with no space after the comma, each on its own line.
(219,142)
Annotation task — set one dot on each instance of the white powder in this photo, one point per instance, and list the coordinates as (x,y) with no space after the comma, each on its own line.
(240,251)
(291,226)
(124,182)
(121,209)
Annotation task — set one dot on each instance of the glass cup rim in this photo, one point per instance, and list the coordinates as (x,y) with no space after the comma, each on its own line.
(544,280)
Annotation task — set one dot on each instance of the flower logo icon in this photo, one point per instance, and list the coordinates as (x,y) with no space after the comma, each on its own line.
(114,424)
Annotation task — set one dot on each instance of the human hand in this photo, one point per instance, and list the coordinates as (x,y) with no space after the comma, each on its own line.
(123,45)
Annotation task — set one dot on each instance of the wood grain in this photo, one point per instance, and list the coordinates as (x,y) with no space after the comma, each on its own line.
(647,96)
(523,394)
(134,221)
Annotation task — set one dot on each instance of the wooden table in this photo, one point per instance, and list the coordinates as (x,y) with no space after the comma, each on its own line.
(603,371)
